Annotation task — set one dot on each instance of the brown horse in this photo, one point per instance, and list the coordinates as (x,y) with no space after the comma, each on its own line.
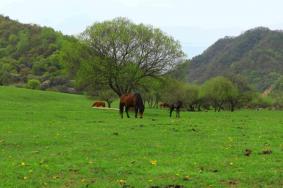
(98,104)
(131,100)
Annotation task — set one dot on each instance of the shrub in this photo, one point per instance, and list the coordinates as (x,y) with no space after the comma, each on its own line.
(262,102)
(33,84)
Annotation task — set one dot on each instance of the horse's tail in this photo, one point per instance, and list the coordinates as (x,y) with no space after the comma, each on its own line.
(139,101)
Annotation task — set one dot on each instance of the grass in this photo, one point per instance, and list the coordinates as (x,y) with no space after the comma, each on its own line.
(50,139)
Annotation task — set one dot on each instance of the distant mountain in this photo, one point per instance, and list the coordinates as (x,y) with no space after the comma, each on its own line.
(32,52)
(256,54)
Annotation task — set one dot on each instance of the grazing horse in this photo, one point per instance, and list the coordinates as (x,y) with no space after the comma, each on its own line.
(177,105)
(164,105)
(131,100)
(98,104)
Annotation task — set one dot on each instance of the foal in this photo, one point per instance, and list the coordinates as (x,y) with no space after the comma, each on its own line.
(177,105)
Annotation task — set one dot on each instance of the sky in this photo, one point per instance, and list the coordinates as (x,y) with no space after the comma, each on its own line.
(197,24)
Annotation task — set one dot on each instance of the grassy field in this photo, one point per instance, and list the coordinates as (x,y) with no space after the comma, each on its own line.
(50,139)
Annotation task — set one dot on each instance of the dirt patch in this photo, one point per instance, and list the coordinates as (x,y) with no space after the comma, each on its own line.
(266,152)
(167,186)
(230,183)
(247,152)
(174,186)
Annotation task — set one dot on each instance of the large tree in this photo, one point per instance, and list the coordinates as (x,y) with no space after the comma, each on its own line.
(125,53)
(219,90)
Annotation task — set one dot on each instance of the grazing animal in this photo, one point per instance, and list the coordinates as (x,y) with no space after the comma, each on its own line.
(177,105)
(98,104)
(164,105)
(131,100)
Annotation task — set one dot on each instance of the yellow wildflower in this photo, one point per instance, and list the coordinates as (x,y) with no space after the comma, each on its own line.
(153,162)
(122,182)
(83,180)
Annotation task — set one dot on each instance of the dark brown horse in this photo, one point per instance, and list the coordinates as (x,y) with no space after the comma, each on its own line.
(131,100)
(177,105)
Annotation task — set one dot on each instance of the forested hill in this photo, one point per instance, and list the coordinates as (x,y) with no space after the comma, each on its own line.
(29,52)
(40,54)
(256,54)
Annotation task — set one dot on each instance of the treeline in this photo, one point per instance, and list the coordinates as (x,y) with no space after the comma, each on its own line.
(218,93)
(35,57)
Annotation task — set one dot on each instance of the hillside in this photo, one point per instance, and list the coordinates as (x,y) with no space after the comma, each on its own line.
(33,52)
(257,54)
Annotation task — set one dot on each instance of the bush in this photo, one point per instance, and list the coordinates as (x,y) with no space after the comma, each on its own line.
(219,91)
(262,102)
(33,84)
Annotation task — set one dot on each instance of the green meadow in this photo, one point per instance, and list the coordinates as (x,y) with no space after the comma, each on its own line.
(50,139)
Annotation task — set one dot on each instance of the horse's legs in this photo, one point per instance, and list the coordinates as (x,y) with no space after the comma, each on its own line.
(177,112)
(171,110)
(121,109)
(136,111)
(127,109)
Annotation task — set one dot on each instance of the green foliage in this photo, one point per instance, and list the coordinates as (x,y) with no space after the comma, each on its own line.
(262,102)
(107,95)
(33,84)
(180,71)
(173,90)
(102,94)
(124,53)
(31,51)
(219,90)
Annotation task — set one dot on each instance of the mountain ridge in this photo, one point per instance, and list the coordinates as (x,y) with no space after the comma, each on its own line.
(256,54)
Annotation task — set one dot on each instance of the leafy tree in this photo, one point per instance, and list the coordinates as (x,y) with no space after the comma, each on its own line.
(192,97)
(125,53)
(219,90)
(152,90)
(246,93)
(174,90)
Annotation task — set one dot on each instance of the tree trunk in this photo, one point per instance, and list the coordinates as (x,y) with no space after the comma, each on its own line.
(232,108)
(232,105)
(109,104)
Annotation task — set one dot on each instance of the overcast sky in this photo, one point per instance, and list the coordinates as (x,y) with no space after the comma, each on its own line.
(195,23)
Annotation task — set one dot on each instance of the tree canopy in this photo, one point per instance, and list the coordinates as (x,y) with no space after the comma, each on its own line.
(124,53)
